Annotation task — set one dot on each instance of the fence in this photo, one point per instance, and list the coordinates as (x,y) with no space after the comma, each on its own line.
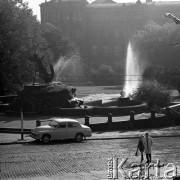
(155,121)
(132,123)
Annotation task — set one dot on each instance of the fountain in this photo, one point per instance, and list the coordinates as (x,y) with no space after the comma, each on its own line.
(133,70)
(69,69)
(124,105)
(54,98)
(44,96)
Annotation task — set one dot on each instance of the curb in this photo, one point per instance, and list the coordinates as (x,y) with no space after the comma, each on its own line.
(15,131)
(15,142)
(134,137)
(95,139)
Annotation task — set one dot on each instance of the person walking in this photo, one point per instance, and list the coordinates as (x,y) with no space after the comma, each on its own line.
(140,147)
(148,142)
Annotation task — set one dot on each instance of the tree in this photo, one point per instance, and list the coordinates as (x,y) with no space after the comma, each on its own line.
(168,76)
(155,44)
(20,38)
(158,45)
(59,45)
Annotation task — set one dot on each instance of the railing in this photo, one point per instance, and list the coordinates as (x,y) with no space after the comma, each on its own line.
(174,115)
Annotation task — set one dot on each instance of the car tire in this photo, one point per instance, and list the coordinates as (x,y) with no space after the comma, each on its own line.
(79,138)
(46,138)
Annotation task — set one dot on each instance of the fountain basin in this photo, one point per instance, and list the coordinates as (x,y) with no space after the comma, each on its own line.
(96,111)
(120,102)
(119,107)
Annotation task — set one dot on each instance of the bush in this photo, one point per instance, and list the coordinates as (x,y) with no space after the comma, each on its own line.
(165,75)
(152,92)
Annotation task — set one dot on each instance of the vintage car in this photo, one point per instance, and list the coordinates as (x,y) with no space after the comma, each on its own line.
(61,129)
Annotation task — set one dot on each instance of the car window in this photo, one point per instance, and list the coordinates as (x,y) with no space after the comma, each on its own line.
(72,125)
(53,123)
(62,125)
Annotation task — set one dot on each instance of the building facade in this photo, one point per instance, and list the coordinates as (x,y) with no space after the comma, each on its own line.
(103,28)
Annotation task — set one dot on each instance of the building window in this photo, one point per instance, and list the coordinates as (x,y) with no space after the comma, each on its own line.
(79,16)
(66,18)
(94,50)
(74,17)
(77,34)
(105,50)
(93,17)
(105,34)
(116,50)
(117,33)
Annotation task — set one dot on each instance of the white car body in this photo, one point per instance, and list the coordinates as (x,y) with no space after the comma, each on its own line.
(61,129)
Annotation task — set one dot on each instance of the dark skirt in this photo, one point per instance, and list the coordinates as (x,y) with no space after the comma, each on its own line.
(140,146)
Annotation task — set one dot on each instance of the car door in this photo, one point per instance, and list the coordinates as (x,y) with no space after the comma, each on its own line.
(61,131)
(72,130)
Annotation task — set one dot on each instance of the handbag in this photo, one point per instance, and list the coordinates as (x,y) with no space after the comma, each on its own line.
(136,153)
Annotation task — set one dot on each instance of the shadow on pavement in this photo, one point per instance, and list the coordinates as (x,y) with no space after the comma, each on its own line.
(53,142)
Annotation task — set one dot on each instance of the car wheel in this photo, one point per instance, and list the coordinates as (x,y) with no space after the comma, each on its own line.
(79,138)
(46,139)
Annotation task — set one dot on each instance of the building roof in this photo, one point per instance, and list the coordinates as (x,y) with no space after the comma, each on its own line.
(167,3)
(103,2)
(107,5)
(73,0)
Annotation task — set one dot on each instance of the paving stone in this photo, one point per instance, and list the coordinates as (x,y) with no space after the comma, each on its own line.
(84,161)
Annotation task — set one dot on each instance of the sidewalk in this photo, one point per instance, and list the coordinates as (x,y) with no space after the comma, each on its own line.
(6,138)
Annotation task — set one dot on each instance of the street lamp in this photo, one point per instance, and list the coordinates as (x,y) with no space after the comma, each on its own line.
(176,20)
(172,17)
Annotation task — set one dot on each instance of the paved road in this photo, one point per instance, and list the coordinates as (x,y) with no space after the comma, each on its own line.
(33,160)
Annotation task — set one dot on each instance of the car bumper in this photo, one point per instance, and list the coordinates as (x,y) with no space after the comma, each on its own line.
(35,136)
(88,135)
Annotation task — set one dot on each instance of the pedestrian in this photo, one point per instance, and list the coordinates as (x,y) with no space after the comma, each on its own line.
(140,147)
(148,142)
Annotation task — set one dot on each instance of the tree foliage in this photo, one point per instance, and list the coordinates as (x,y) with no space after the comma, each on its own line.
(59,45)
(21,36)
(169,76)
(19,39)
(157,44)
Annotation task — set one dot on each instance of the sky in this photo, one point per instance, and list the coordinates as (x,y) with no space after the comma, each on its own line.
(34,4)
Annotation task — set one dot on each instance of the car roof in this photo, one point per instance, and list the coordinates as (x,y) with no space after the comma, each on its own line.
(63,120)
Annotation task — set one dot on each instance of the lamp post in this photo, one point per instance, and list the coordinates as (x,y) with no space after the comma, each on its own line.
(172,17)
(176,20)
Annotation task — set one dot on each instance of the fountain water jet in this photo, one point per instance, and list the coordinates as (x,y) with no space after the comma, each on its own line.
(133,70)
(59,66)
(69,69)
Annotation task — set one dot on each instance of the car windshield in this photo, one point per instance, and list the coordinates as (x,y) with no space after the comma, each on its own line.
(53,124)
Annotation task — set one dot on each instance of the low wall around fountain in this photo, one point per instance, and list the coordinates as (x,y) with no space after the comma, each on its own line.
(96,111)
(116,111)
(137,124)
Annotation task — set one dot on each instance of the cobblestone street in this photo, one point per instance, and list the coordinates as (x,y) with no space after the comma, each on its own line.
(33,159)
